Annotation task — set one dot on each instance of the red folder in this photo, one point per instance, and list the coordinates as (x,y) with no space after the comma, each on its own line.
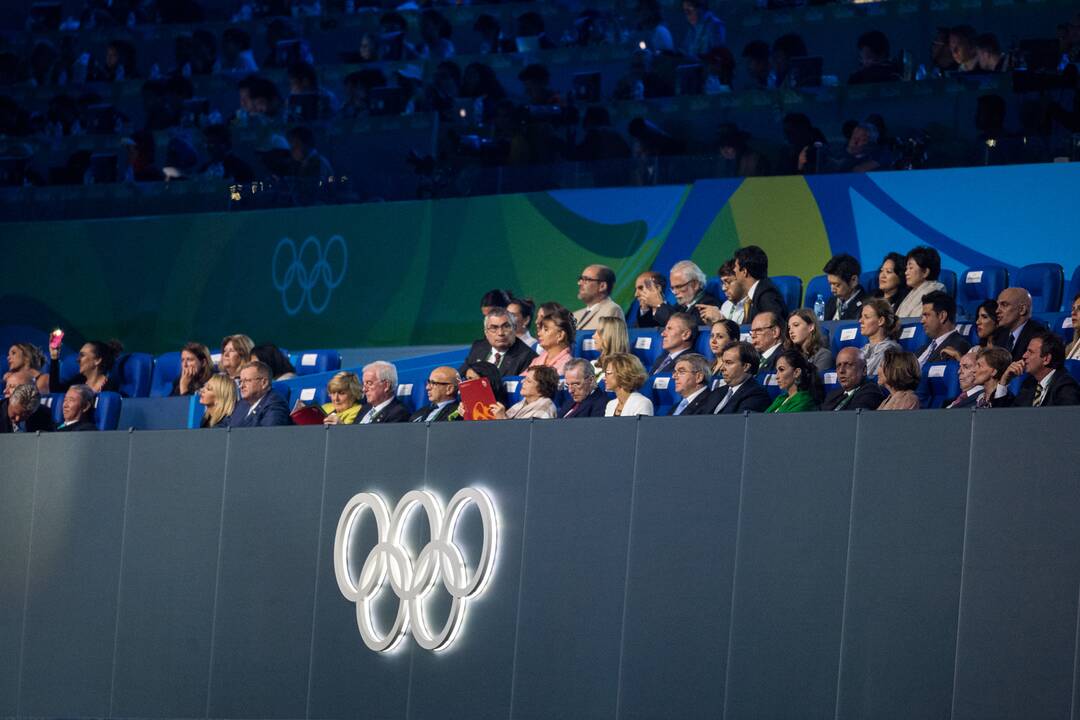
(308,415)
(476,397)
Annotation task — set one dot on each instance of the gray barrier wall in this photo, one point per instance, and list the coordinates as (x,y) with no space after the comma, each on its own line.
(881,565)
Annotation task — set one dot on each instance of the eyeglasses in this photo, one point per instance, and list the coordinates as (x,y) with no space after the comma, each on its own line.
(498,328)
(575,385)
(246,381)
(583,278)
(688,283)
(372,383)
(682,371)
(758,331)
(438,382)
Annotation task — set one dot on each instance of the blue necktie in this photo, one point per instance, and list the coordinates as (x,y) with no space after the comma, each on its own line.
(682,406)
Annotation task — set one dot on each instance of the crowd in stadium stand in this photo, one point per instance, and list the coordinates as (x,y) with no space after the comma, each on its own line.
(786,348)
(281,104)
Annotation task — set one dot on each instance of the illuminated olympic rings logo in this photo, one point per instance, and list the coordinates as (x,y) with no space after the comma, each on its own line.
(413,576)
(308,276)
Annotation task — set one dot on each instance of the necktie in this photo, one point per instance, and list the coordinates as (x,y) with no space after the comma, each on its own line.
(723,402)
(664,365)
(682,406)
(1009,342)
(958,400)
(573,409)
(498,359)
(929,353)
(369,417)
(982,401)
(1039,393)
(847,398)
(746,310)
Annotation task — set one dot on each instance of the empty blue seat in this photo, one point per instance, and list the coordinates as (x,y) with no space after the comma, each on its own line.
(107,410)
(978,284)
(1061,323)
(318,361)
(282,388)
(846,334)
(313,394)
(1045,282)
(948,279)
(134,371)
(818,285)
(512,383)
(664,397)
(912,336)
(943,381)
(166,371)
(645,343)
(412,388)
(790,287)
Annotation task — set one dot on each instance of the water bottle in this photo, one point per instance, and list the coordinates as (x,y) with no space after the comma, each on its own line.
(819,307)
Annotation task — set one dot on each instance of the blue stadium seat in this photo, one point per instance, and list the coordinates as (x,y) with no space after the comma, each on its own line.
(107,410)
(715,287)
(69,367)
(645,343)
(944,383)
(768,381)
(134,371)
(512,383)
(790,287)
(166,370)
(967,330)
(1045,282)
(584,347)
(828,378)
(912,336)
(1073,291)
(412,388)
(318,361)
(1061,323)
(701,345)
(664,397)
(1073,366)
(1015,383)
(869,281)
(55,403)
(978,284)
(818,285)
(312,394)
(948,279)
(283,389)
(846,334)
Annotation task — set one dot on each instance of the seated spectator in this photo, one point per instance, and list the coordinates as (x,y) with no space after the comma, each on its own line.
(706,31)
(923,265)
(23,411)
(756,54)
(1072,351)
(311,164)
(692,379)
(875,63)
(652,310)
(804,144)
(141,153)
(861,154)
(500,346)
(611,337)
(595,285)
(260,406)
(96,359)
(556,339)
(181,160)
(651,22)
(845,302)
(721,333)
(235,352)
(892,286)
(799,383)
(28,357)
(380,395)
(218,398)
(586,399)
(492,40)
(784,49)
(78,410)
(688,285)
(989,56)
(282,33)
(368,49)
(260,100)
(601,142)
(962,47)
(676,338)
(736,159)
(741,393)
(989,369)
(538,388)
(939,323)
(482,369)
(196,368)
(304,80)
(522,309)
(480,83)
(222,162)
(624,375)
(986,325)
(1046,382)
(900,376)
(531,35)
(881,328)
(1014,318)
(761,295)
(442,394)
(805,335)
(345,393)
(970,391)
(278,362)
(358,87)
(768,338)
(941,58)
(856,391)
(733,308)
(236,54)
(119,63)
(641,81)
(549,308)
(536,83)
(435,33)
(393,45)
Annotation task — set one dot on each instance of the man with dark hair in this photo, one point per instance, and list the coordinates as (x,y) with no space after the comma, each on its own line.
(752,273)
(739,365)
(304,82)
(310,164)
(653,310)
(875,65)
(1047,382)
(939,323)
(1014,315)
(494,299)
(259,405)
(856,391)
(676,338)
(691,376)
(595,285)
(501,347)
(756,54)
(847,297)
(962,47)
(523,310)
(586,399)
(990,57)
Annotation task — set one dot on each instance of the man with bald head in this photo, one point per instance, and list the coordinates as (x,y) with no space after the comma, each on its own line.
(594,288)
(442,394)
(22,409)
(1014,315)
(855,390)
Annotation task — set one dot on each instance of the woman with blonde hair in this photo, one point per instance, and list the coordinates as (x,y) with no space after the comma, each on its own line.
(27,356)
(218,396)
(235,351)
(624,375)
(1072,350)
(611,337)
(346,394)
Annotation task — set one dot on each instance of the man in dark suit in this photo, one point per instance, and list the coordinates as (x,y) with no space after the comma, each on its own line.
(766,335)
(23,411)
(751,272)
(845,303)
(688,285)
(739,365)
(1047,382)
(1014,316)
(692,377)
(380,395)
(442,394)
(676,338)
(586,399)
(855,391)
(78,410)
(939,323)
(501,347)
(259,405)
(966,375)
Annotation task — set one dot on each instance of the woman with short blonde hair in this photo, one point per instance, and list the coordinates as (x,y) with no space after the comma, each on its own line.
(346,394)
(624,375)
(218,395)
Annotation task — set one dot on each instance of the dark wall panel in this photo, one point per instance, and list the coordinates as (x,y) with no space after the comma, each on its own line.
(570,626)
(266,580)
(903,582)
(18,468)
(1018,615)
(682,560)
(169,574)
(789,574)
(74,574)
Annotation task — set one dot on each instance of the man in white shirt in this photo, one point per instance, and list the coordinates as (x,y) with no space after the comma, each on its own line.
(691,376)
(380,395)
(595,285)
(766,336)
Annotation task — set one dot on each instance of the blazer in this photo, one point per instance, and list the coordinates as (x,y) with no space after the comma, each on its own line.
(901,400)
(867,396)
(270,412)
(636,404)
(81,426)
(1063,390)
(661,364)
(768,366)
(592,406)
(517,357)
(767,298)
(966,401)
(1030,328)
(394,412)
(585,320)
(39,420)
(660,316)
(851,311)
(954,340)
(442,416)
(703,404)
(802,401)
(750,396)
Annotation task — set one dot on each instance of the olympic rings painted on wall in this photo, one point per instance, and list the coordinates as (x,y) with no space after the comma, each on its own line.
(308,269)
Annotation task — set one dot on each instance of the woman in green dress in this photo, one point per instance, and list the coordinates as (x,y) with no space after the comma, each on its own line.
(799,381)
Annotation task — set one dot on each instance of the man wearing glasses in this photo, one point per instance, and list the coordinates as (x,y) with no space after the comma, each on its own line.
(501,347)
(688,285)
(767,338)
(586,399)
(259,405)
(380,395)
(442,393)
(692,375)
(594,287)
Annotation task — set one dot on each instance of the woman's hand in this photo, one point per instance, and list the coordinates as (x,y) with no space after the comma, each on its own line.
(187,375)
(331,419)
(498,411)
